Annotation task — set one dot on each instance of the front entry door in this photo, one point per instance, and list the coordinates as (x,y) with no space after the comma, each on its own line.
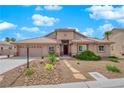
(65,49)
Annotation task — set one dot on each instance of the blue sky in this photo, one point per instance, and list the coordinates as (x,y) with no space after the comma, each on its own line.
(24,22)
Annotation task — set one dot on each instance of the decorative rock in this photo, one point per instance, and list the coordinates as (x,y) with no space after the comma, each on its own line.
(42,60)
(57,59)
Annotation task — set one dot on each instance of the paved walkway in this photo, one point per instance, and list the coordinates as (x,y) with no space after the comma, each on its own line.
(75,72)
(98,76)
(7,64)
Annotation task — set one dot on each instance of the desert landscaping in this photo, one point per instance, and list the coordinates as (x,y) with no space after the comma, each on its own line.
(51,71)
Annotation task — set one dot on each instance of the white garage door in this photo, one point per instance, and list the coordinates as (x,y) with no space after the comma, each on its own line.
(33,52)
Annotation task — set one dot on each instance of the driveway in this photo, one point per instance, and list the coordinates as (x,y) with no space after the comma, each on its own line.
(7,64)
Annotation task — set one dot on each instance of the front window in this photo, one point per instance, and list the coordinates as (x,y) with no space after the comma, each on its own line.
(10,48)
(82,47)
(51,48)
(101,48)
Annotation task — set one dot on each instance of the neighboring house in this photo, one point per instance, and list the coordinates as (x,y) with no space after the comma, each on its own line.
(62,42)
(117,36)
(6,48)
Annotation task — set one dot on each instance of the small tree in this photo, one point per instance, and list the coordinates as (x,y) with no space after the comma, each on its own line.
(52,57)
(107,34)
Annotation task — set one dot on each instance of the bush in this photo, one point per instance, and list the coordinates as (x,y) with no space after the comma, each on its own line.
(49,67)
(112,68)
(114,60)
(88,55)
(29,71)
(113,57)
(52,57)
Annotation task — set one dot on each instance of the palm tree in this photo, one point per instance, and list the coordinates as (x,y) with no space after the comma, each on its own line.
(7,39)
(107,34)
(13,39)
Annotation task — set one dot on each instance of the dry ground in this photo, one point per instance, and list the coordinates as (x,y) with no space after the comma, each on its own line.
(98,66)
(17,77)
(61,73)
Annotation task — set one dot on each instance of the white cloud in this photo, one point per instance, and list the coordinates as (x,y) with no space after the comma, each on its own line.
(88,32)
(40,20)
(53,7)
(120,21)
(30,29)
(38,8)
(7,25)
(19,36)
(105,27)
(106,12)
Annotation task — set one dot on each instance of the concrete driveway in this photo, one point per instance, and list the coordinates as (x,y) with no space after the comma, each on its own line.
(7,64)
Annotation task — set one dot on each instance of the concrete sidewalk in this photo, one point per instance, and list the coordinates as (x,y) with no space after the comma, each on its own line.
(110,83)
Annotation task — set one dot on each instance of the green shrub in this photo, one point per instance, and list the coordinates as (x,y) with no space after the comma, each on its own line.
(52,53)
(87,55)
(29,71)
(112,68)
(52,57)
(114,60)
(113,57)
(49,67)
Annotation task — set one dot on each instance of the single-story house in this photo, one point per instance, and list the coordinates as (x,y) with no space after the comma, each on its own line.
(6,48)
(62,42)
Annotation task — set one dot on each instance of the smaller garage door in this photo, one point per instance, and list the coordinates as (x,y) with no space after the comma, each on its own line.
(33,52)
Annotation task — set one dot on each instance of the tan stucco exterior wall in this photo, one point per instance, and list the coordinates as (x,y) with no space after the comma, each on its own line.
(73,48)
(38,52)
(7,51)
(91,47)
(57,49)
(94,48)
(65,35)
(117,49)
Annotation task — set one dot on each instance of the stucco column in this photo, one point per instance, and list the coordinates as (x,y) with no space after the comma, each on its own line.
(77,48)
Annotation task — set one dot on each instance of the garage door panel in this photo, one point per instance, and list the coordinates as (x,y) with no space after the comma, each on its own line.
(33,52)
(22,52)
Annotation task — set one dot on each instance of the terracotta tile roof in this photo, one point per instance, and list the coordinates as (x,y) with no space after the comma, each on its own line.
(3,43)
(91,40)
(42,40)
